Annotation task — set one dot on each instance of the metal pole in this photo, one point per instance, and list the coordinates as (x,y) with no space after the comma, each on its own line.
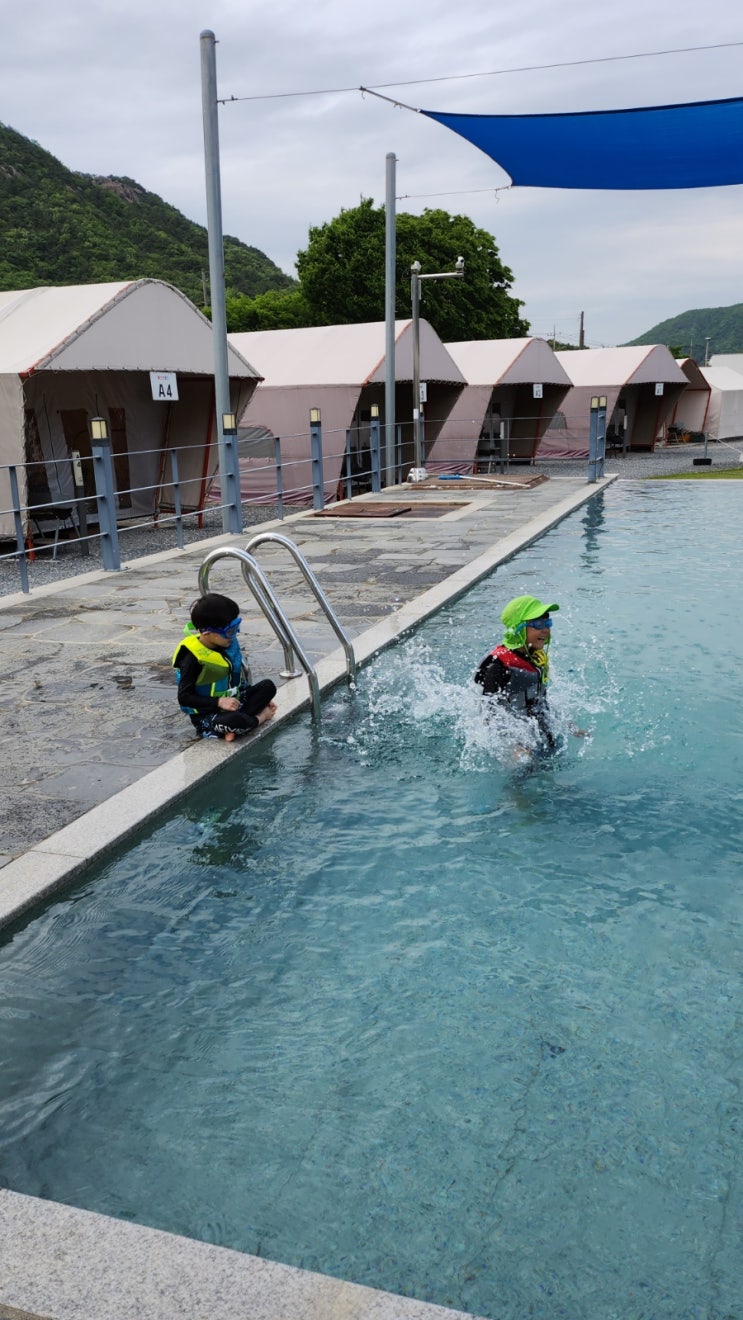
(18,521)
(279,477)
(318,493)
(228,467)
(415,299)
(375,451)
(389,322)
(177,503)
(106,501)
(597,437)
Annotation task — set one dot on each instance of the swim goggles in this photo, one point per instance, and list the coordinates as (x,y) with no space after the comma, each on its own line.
(539,624)
(231,630)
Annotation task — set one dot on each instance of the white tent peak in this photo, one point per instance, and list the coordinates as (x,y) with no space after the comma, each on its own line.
(343,354)
(132,325)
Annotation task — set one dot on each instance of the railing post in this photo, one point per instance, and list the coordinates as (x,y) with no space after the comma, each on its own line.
(597,437)
(398,455)
(279,477)
(175,481)
(376,451)
(318,491)
(106,501)
(231,495)
(347,466)
(19,535)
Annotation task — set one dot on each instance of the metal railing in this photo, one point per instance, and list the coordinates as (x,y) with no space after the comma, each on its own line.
(91,504)
(265,597)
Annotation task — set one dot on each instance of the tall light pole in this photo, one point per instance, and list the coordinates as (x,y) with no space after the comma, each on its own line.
(229,472)
(418,472)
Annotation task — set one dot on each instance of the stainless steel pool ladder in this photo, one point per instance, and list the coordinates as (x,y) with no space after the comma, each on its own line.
(265,597)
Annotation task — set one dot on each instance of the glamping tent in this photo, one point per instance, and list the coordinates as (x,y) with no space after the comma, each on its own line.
(725,415)
(690,415)
(71,353)
(642,386)
(516,384)
(339,369)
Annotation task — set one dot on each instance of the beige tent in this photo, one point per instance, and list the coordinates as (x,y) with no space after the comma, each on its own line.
(339,369)
(515,382)
(691,412)
(725,415)
(641,385)
(68,354)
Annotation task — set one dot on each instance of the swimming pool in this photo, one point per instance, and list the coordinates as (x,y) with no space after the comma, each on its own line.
(376,1005)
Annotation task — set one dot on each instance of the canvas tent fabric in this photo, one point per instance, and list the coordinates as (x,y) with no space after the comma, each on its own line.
(341,370)
(725,416)
(501,375)
(627,377)
(690,415)
(697,145)
(72,352)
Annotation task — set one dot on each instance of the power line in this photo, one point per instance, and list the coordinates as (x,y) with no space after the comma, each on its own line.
(488,73)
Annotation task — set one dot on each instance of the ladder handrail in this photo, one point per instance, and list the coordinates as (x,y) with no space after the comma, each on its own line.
(265,598)
(266,537)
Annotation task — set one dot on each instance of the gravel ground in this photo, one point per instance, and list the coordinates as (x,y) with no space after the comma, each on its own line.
(149,539)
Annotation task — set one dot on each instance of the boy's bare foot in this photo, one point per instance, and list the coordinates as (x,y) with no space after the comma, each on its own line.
(229,737)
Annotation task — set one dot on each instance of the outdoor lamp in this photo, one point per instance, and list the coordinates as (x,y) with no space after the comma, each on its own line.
(229,423)
(98,428)
(374,411)
(314,416)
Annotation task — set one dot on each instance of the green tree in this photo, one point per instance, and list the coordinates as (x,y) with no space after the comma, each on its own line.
(341,273)
(277,309)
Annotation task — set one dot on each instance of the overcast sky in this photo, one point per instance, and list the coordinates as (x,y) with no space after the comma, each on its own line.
(113,88)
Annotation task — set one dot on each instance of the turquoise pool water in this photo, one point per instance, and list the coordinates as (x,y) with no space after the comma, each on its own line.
(379,1005)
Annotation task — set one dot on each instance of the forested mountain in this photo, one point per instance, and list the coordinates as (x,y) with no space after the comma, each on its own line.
(60,227)
(687,333)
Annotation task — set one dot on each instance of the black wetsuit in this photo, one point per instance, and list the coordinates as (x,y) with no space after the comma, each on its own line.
(515,676)
(205,715)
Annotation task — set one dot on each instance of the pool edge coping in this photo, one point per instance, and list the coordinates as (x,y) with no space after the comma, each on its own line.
(65,855)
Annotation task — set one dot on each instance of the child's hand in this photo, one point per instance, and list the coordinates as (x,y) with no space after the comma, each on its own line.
(228,703)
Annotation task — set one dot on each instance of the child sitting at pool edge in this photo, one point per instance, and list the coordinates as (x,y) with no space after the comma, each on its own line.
(209,668)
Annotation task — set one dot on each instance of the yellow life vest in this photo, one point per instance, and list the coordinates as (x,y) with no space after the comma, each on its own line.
(214,675)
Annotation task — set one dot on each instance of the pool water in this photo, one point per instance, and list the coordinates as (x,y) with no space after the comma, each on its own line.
(383,1003)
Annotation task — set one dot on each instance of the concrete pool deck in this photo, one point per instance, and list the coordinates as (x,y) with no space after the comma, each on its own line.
(98,747)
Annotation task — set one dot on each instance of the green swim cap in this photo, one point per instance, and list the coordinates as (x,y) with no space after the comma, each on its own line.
(519,612)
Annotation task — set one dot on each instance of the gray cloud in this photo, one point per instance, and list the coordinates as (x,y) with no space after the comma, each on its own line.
(116,90)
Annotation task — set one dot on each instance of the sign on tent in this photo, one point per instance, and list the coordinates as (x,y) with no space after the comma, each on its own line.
(164,386)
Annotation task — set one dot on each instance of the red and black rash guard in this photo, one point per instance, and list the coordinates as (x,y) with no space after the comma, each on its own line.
(516,677)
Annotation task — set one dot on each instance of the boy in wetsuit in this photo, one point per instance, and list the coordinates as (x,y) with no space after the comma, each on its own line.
(209,668)
(518,669)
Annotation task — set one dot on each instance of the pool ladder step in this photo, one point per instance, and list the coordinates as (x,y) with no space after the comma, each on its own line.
(265,597)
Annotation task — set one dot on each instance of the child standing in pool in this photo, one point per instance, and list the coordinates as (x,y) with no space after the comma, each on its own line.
(518,669)
(209,668)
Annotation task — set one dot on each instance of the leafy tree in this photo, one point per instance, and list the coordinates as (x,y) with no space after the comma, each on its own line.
(341,273)
(277,309)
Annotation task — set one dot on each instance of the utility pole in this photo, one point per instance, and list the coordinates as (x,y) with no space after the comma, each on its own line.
(581,334)
(706,350)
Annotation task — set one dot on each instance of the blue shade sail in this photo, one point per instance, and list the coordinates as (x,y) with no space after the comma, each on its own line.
(669,146)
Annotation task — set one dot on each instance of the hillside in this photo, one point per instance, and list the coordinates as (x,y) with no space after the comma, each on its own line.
(690,330)
(60,227)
